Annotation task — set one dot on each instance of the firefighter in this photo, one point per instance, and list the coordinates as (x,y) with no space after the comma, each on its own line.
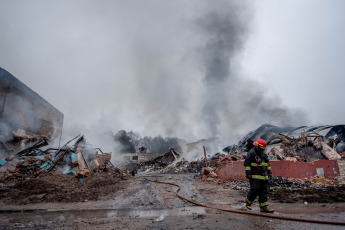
(258,171)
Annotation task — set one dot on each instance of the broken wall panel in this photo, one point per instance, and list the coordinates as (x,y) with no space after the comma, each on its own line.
(286,169)
(22,108)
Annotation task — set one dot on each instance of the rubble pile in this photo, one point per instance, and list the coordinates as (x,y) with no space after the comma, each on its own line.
(232,157)
(171,162)
(318,181)
(33,162)
(184,166)
(167,158)
(157,163)
(304,143)
(31,166)
(307,148)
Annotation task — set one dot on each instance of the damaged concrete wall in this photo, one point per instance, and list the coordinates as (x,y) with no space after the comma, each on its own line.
(287,169)
(23,110)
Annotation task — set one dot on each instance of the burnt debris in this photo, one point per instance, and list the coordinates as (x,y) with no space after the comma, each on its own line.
(34,161)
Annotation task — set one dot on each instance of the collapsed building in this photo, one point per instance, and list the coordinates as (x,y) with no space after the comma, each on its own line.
(27,123)
(302,154)
(304,136)
(307,153)
(294,152)
(76,160)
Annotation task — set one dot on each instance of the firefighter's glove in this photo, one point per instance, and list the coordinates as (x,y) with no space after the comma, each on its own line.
(270,179)
(249,176)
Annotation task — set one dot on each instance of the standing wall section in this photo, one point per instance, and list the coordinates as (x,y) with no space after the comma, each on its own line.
(22,108)
(234,170)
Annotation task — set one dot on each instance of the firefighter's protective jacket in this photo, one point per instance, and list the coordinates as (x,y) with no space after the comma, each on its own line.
(257,165)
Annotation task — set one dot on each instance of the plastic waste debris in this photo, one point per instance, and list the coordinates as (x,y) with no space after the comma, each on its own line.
(195,176)
(159,219)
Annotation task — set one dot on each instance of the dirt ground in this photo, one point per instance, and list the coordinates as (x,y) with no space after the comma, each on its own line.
(62,188)
(108,200)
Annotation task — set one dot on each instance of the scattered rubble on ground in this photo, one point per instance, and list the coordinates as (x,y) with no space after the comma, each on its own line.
(307,147)
(36,174)
(308,192)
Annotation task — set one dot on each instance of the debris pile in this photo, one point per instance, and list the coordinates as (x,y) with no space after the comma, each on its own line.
(184,166)
(157,163)
(232,157)
(305,144)
(208,172)
(32,162)
(171,162)
(306,148)
(315,181)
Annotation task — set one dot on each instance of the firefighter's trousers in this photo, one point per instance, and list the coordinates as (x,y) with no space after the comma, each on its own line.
(258,188)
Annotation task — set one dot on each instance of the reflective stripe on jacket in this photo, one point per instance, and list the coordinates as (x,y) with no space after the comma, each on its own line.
(257,165)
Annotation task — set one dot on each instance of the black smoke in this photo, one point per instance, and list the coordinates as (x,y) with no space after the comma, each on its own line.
(130,142)
(126,141)
(230,99)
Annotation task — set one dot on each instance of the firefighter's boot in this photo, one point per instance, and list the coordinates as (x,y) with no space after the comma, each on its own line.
(266,210)
(248,204)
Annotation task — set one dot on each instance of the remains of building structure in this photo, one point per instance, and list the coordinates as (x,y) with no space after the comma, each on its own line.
(25,117)
(300,153)
(69,160)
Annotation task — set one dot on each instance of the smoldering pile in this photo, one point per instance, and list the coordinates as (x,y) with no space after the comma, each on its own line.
(173,162)
(156,164)
(77,160)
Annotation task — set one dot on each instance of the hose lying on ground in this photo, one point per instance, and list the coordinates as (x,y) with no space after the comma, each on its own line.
(247,213)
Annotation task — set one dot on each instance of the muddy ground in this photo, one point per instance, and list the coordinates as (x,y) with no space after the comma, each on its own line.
(62,188)
(108,200)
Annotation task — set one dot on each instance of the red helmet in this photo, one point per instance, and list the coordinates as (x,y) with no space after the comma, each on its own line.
(260,143)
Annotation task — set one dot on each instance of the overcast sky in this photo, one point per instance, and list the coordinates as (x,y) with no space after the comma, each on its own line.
(192,69)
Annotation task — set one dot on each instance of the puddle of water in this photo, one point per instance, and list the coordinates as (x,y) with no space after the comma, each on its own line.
(50,216)
(314,208)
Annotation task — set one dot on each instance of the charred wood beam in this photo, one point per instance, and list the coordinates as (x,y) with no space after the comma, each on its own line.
(57,161)
(100,150)
(236,156)
(172,152)
(289,138)
(54,149)
(66,144)
(37,145)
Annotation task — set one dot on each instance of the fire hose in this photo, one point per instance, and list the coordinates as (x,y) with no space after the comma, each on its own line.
(247,213)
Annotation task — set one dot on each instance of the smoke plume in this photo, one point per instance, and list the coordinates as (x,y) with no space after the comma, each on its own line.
(231,101)
(169,68)
(130,142)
